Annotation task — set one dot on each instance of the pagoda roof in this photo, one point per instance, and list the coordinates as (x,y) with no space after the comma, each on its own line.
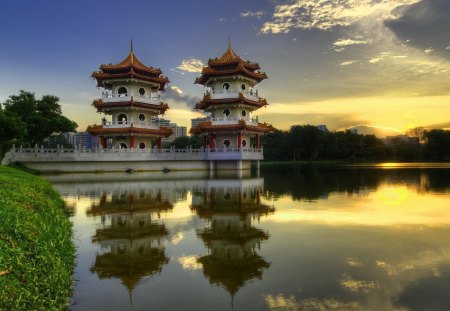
(241,126)
(233,274)
(230,64)
(130,270)
(100,104)
(99,130)
(208,101)
(130,67)
(107,208)
(129,233)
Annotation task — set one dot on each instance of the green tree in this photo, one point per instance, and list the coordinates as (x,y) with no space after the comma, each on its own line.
(42,117)
(437,145)
(12,129)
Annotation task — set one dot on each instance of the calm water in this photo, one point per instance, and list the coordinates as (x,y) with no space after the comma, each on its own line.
(294,238)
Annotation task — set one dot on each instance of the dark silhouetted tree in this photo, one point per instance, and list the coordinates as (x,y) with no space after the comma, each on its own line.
(42,117)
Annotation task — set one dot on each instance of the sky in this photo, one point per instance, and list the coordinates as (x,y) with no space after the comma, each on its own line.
(378,64)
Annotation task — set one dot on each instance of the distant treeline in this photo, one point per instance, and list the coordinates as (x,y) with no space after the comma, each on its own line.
(308,143)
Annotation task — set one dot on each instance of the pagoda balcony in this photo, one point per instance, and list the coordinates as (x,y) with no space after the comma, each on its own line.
(136,124)
(221,94)
(114,98)
(233,120)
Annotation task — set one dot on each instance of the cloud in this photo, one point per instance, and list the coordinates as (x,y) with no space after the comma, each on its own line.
(334,121)
(429,51)
(176,89)
(257,14)
(347,42)
(375,60)
(191,65)
(425,24)
(448,47)
(379,131)
(444,125)
(328,14)
(176,94)
(290,303)
(348,62)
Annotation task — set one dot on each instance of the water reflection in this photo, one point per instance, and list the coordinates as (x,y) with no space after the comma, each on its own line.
(130,235)
(231,207)
(340,239)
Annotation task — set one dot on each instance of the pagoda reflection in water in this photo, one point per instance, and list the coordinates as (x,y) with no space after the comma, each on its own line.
(231,206)
(130,235)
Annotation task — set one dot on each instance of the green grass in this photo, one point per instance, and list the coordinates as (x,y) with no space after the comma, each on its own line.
(36,249)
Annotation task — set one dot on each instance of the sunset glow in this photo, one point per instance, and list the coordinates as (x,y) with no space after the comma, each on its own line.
(380,65)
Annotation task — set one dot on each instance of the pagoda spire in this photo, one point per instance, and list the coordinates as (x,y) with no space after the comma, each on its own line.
(131,46)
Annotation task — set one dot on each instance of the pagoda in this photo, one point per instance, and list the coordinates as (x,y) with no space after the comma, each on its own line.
(131,101)
(231,206)
(130,236)
(229,101)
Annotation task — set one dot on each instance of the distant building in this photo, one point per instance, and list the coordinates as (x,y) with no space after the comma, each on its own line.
(197,121)
(178,131)
(391,140)
(69,137)
(322,127)
(84,140)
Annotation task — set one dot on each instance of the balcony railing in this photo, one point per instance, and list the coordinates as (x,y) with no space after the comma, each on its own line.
(233,120)
(113,98)
(137,124)
(81,155)
(220,94)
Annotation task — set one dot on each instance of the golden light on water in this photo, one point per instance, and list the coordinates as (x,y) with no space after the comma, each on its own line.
(385,206)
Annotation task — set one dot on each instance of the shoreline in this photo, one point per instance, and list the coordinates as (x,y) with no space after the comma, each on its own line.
(37,253)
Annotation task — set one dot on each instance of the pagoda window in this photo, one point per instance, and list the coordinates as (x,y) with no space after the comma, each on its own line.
(244,143)
(226,112)
(141,145)
(226,86)
(122,146)
(141,117)
(226,143)
(122,118)
(141,91)
(122,91)
(243,86)
(243,113)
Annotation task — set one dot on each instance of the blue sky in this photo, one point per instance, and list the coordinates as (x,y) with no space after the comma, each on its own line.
(343,63)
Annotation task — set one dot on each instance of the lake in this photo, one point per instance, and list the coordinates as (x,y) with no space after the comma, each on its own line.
(286,238)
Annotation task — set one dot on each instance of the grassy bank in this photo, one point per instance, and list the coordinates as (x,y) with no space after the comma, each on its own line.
(36,249)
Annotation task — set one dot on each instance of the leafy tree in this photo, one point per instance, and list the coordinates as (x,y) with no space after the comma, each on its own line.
(418,132)
(186,141)
(42,117)
(12,130)
(437,145)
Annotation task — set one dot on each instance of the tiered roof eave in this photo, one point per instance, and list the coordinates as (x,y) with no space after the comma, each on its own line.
(130,67)
(100,130)
(207,102)
(101,105)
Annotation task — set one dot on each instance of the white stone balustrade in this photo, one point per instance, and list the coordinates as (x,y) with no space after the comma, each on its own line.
(137,124)
(86,155)
(221,94)
(113,98)
(232,120)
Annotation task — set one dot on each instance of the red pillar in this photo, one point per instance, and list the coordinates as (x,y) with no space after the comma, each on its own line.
(212,145)
(132,141)
(159,142)
(239,140)
(258,143)
(103,142)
